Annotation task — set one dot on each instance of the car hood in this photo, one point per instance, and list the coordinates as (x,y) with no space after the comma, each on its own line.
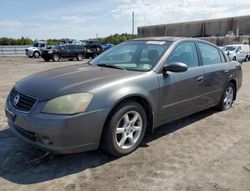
(70,79)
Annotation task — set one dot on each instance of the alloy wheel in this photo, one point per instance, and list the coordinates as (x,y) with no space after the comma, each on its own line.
(228,99)
(128,130)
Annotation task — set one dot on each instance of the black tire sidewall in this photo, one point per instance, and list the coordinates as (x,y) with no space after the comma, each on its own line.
(113,148)
(34,54)
(221,105)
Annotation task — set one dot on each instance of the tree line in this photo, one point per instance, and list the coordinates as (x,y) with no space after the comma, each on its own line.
(116,38)
(112,39)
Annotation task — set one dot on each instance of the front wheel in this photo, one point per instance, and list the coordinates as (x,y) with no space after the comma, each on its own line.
(56,57)
(228,97)
(125,130)
(36,54)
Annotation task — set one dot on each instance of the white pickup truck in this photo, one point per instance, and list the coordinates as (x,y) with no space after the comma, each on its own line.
(239,52)
(36,50)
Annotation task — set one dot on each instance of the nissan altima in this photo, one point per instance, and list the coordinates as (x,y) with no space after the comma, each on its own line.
(130,89)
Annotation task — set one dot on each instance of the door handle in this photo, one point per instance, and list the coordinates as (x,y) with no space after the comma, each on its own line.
(200,78)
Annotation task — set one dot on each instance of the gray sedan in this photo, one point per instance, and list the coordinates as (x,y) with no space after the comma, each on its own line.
(116,98)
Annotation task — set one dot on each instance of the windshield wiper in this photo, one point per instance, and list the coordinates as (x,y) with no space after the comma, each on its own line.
(111,66)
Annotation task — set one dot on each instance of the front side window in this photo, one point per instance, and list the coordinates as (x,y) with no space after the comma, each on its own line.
(134,55)
(238,49)
(223,59)
(209,54)
(185,53)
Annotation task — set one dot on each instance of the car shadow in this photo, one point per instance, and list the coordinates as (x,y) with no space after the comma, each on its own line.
(18,159)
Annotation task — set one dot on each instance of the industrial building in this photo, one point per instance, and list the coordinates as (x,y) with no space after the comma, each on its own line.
(236,26)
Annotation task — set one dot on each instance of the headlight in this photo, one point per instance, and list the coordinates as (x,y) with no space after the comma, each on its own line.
(68,104)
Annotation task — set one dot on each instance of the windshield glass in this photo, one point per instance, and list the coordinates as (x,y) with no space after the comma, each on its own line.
(229,48)
(56,47)
(35,45)
(133,55)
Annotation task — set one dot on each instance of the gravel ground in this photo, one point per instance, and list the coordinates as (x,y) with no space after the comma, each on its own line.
(206,151)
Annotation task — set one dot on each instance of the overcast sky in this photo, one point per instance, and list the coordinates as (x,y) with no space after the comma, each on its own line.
(43,19)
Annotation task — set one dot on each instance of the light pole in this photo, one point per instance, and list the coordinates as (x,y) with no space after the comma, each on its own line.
(133,22)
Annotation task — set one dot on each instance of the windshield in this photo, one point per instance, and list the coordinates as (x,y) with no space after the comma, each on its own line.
(35,45)
(56,47)
(229,48)
(133,55)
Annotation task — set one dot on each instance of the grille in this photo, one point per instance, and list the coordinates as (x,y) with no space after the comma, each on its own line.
(24,103)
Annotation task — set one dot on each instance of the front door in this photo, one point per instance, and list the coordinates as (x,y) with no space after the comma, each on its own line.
(181,93)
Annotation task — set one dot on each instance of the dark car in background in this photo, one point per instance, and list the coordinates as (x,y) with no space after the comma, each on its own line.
(93,49)
(65,51)
(128,90)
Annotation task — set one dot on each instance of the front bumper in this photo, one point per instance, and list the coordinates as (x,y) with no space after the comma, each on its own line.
(29,53)
(59,133)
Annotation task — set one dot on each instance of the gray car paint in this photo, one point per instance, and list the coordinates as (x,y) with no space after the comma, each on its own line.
(171,96)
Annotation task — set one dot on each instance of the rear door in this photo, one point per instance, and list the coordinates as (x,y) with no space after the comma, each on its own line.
(216,72)
(181,93)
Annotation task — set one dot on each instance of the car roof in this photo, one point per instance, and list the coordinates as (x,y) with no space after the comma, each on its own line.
(161,38)
(172,39)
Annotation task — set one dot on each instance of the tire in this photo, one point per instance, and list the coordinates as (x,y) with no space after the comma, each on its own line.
(56,57)
(229,92)
(234,58)
(124,140)
(79,57)
(36,54)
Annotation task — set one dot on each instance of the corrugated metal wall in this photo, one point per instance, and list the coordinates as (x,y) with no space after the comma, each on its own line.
(216,27)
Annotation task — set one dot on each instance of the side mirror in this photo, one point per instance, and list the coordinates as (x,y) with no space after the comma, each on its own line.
(175,67)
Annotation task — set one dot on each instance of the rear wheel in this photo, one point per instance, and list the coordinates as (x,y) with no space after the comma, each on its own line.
(56,57)
(228,97)
(125,130)
(79,57)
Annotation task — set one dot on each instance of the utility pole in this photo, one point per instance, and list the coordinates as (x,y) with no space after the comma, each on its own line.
(133,22)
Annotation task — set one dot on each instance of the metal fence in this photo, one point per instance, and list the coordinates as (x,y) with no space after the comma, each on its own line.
(13,50)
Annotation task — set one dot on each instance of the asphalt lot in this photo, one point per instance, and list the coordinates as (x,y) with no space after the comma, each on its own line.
(209,150)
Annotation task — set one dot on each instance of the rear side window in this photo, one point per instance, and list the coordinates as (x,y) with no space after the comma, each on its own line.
(210,55)
(185,53)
